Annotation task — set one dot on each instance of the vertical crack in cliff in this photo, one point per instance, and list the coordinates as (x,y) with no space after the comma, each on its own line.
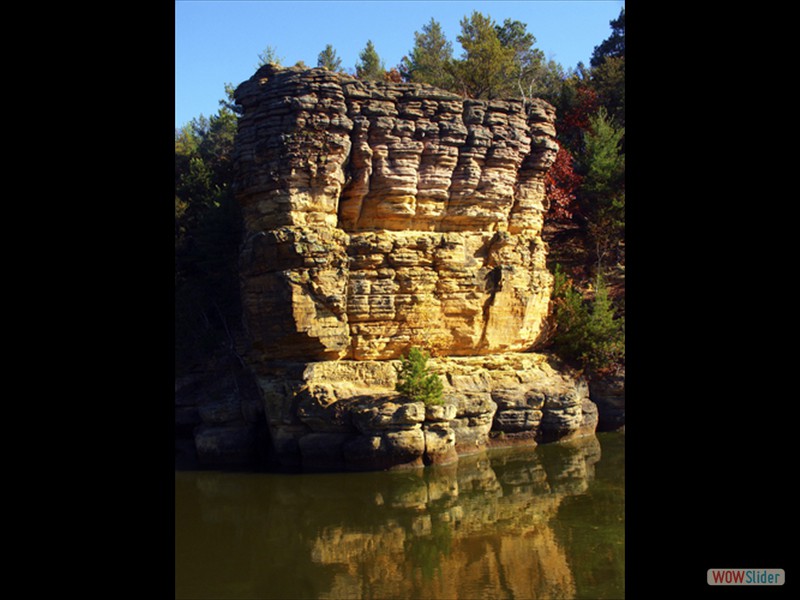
(494,284)
(521,174)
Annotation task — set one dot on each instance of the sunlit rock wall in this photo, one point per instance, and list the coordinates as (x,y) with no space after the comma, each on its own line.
(380,216)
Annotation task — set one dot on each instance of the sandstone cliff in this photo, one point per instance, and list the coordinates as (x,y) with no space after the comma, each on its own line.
(381,216)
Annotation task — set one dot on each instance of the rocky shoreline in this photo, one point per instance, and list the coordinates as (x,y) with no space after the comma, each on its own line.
(346,416)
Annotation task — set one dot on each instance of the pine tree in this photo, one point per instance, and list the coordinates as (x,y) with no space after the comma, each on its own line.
(416,382)
(605,334)
(602,195)
(370,67)
(529,67)
(487,68)
(430,61)
(269,57)
(588,333)
(329,60)
(614,45)
(608,80)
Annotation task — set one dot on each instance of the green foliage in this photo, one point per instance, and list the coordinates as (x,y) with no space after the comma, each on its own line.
(370,66)
(269,57)
(604,164)
(608,80)
(498,61)
(544,79)
(614,45)
(487,69)
(587,332)
(431,59)
(529,68)
(329,60)
(207,235)
(228,104)
(415,381)
(602,195)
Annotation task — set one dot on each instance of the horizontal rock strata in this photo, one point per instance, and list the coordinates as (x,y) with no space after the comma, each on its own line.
(219,420)
(345,414)
(380,216)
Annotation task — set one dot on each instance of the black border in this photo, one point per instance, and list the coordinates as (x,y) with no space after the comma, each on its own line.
(708,432)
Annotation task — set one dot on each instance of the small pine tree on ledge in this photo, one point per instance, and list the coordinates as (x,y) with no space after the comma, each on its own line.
(415,381)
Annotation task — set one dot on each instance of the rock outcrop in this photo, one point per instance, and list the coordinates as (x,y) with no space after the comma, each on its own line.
(379,216)
(343,415)
(219,420)
(383,216)
(608,394)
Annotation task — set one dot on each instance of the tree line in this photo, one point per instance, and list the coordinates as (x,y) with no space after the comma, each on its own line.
(585,188)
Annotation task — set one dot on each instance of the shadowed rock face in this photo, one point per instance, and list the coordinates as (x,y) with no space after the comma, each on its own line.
(380,216)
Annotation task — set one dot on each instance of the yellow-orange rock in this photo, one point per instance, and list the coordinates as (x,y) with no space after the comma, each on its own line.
(381,216)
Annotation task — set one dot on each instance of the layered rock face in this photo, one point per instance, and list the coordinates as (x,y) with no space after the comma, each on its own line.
(379,217)
(344,415)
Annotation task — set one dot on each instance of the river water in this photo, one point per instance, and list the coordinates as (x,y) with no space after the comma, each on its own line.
(521,523)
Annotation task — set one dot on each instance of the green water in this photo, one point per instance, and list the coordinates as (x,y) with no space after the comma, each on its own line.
(519,523)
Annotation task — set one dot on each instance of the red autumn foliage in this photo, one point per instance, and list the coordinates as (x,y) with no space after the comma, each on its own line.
(576,119)
(560,185)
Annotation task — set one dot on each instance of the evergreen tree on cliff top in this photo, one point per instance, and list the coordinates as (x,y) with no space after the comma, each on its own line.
(431,59)
(329,60)
(528,67)
(269,57)
(487,68)
(501,61)
(370,67)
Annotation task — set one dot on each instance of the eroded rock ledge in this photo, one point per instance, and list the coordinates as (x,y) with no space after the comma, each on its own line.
(345,414)
(379,217)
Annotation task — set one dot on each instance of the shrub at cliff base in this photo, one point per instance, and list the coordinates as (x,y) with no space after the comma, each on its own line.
(415,381)
(587,332)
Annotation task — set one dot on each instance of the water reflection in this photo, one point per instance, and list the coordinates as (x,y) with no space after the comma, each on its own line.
(513,523)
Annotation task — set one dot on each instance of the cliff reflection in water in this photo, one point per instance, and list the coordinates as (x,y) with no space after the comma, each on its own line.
(511,523)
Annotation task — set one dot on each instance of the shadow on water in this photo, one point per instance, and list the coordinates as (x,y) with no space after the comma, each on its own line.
(540,522)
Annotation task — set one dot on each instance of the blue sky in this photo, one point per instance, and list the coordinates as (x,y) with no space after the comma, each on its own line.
(218,41)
